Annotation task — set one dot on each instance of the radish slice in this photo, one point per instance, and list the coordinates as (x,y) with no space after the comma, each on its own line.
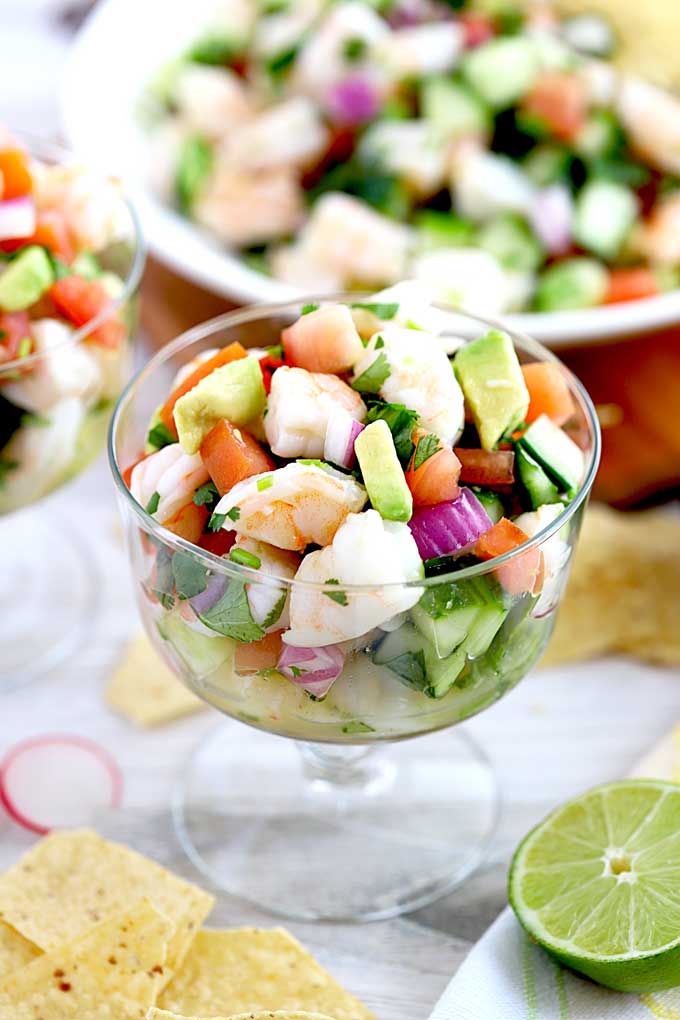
(315,669)
(58,781)
(17,218)
(341,431)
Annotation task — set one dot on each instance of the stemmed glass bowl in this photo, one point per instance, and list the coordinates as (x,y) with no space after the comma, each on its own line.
(49,588)
(346,820)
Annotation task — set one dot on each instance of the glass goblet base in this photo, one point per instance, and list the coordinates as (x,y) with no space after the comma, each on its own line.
(48,594)
(336,833)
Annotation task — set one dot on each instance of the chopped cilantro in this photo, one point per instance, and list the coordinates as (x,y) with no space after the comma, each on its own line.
(233,514)
(212,49)
(354,48)
(282,61)
(194,164)
(382,310)
(426,448)
(372,379)
(102,405)
(191,577)
(273,615)
(306,309)
(379,343)
(216,521)
(232,617)
(39,420)
(296,671)
(245,558)
(357,726)
(264,483)
(337,596)
(165,582)
(277,350)
(152,505)
(401,422)
(206,495)
(160,436)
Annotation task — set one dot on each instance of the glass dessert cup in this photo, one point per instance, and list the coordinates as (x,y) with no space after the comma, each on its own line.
(347,820)
(47,444)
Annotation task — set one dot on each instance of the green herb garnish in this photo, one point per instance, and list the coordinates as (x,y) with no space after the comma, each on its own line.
(306,309)
(356,726)
(216,521)
(354,48)
(231,616)
(372,379)
(152,505)
(206,495)
(193,168)
(35,420)
(273,615)
(410,668)
(160,436)
(233,514)
(245,558)
(382,310)
(191,577)
(426,448)
(337,596)
(401,421)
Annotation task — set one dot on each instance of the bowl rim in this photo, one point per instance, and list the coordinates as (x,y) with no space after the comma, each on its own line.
(252,313)
(55,154)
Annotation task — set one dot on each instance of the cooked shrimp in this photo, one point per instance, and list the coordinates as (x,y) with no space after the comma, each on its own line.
(292,507)
(171,473)
(289,134)
(420,376)
(93,205)
(322,61)
(421,49)
(294,264)
(277,32)
(366,550)
(651,118)
(245,208)
(407,149)
(473,279)
(659,238)
(300,403)
(484,183)
(268,601)
(211,100)
(64,370)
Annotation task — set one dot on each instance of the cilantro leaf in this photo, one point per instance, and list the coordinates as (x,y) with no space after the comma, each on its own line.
(206,495)
(165,582)
(337,596)
(152,505)
(232,617)
(372,379)
(401,422)
(382,310)
(191,577)
(357,726)
(354,48)
(216,521)
(274,613)
(306,309)
(160,436)
(426,448)
(194,164)
(233,514)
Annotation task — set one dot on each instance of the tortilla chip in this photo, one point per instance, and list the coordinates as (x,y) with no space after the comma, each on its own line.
(71,881)
(114,970)
(146,691)
(160,1014)
(15,950)
(246,970)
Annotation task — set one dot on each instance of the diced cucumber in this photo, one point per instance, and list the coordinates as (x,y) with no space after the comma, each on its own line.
(571,283)
(452,110)
(25,279)
(492,503)
(200,653)
(603,216)
(601,135)
(442,230)
(590,33)
(460,613)
(442,674)
(403,652)
(510,238)
(484,629)
(518,645)
(534,479)
(556,453)
(547,164)
(503,70)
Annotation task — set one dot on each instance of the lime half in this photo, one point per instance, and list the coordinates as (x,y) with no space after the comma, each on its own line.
(597,884)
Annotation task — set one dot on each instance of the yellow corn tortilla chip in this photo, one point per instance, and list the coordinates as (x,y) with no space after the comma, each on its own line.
(160,1014)
(146,691)
(71,881)
(246,970)
(15,950)
(113,970)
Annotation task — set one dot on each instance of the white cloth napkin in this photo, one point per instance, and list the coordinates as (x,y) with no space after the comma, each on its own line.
(507,977)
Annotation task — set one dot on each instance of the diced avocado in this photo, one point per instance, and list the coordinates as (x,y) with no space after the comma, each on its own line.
(452,110)
(200,653)
(603,216)
(442,230)
(534,479)
(557,454)
(492,381)
(26,279)
(382,473)
(571,283)
(511,240)
(503,70)
(234,391)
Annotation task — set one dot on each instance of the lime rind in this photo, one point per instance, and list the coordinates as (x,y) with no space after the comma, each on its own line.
(597,884)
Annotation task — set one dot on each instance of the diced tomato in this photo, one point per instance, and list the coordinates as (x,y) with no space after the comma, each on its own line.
(559,101)
(339,150)
(268,365)
(263,654)
(15,176)
(486,467)
(477,28)
(436,479)
(325,340)
(522,574)
(52,232)
(80,301)
(217,542)
(232,352)
(630,285)
(189,522)
(230,455)
(548,392)
(14,327)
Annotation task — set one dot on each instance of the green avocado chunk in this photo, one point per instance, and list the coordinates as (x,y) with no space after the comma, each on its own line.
(492,381)
(383,475)
(26,279)
(234,391)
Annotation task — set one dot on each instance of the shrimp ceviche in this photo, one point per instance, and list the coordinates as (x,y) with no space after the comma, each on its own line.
(487,148)
(343,477)
(62,232)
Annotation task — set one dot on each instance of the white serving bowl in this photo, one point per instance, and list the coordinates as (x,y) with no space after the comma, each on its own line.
(117,51)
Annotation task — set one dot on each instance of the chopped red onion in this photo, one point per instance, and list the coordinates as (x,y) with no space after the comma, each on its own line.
(449,528)
(17,218)
(341,431)
(551,216)
(315,669)
(214,590)
(353,100)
